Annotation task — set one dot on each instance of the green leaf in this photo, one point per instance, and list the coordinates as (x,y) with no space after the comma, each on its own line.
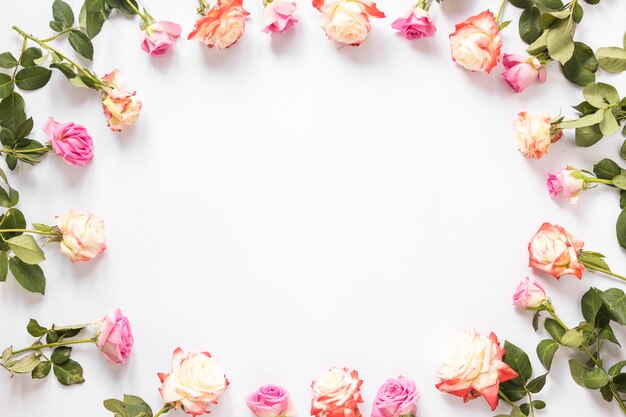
(62,12)
(24,365)
(536,320)
(95,21)
(614,300)
(584,121)
(594,96)
(517,412)
(42,370)
(622,151)
(620,181)
(606,333)
(537,384)
(6,85)
(622,199)
(607,170)
(514,392)
(70,373)
(585,108)
(608,92)
(66,69)
(29,56)
(7,60)
(590,304)
(4,266)
(578,371)
(132,406)
(593,259)
(12,111)
(123,6)
(587,136)
(35,329)
(94,5)
(30,277)
(61,355)
(32,78)
(81,44)
(581,68)
(620,227)
(572,338)
(616,369)
(612,59)
(620,382)
(596,378)
(56,26)
(546,350)
(6,354)
(560,42)
(522,4)
(609,124)
(26,248)
(529,24)
(24,128)
(539,45)
(11,162)
(517,359)
(138,402)
(539,405)
(550,4)
(606,392)
(555,329)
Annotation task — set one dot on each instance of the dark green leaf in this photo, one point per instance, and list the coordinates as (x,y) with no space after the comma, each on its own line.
(24,128)
(550,4)
(537,384)
(6,85)
(61,355)
(554,328)
(588,136)
(513,391)
(522,4)
(4,266)
(12,111)
(539,405)
(529,26)
(545,351)
(614,300)
(536,320)
(617,368)
(30,277)
(62,12)
(123,6)
(620,227)
(28,57)
(35,329)
(56,26)
(32,78)
(7,60)
(69,373)
(581,68)
(81,44)
(606,392)
(606,169)
(11,162)
(65,68)
(94,23)
(606,333)
(584,108)
(518,360)
(42,370)
(590,304)
(94,5)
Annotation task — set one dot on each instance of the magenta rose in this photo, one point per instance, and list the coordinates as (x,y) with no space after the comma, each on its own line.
(396,397)
(69,141)
(416,24)
(115,337)
(270,401)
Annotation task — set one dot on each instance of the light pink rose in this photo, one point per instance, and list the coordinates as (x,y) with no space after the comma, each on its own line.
(69,141)
(115,337)
(476,43)
(270,401)
(121,108)
(337,393)
(82,235)
(278,16)
(396,397)
(195,382)
(157,38)
(416,24)
(569,182)
(520,72)
(555,251)
(529,294)
(535,133)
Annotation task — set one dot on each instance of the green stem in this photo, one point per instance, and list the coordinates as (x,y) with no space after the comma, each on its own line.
(604,271)
(39,232)
(51,38)
(500,11)
(136,10)
(505,398)
(167,407)
(18,151)
(598,180)
(51,345)
(204,6)
(530,404)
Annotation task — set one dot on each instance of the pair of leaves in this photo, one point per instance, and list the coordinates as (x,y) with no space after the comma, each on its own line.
(520,387)
(131,406)
(612,58)
(64,22)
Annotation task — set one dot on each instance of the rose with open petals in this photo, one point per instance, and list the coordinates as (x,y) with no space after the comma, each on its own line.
(222,25)
(157,38)
(69,141)
(121,108)
(535,133)
(476,43)
(82,235)
(270,401)
(278,16)
(474,368)
(555,251)
(347,21)
(195,382)
(415,24)
(337,393)
(115,337)
(396,397)
(529,295)
(520,72)
(568,182)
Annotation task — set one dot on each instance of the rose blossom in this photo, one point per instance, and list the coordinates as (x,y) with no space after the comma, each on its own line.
(555,251)
(569,182)
(157,38)
(529,295)
(115,337)
(82,235)
(535,133)
(270,401)
(396,397)
(121,108)
(337,394)
(347,21)
(474,368)
(476,43)
(278,16)
(195,381)
(416,24)
(520,72)
(69,141)
(222,25)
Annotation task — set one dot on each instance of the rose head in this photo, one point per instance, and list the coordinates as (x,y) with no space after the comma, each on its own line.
(82,235)
(476,43)
(529,295)
(555,251)
(270,401)
(121,108)
(347,21)
(115,337)
(222,25)
(396,397)
(278,16)
(415,24)
(69,141)
(520,72)
(474,368)
(337,394)
(195,382)
(534,134)
(157,38)
(569,182)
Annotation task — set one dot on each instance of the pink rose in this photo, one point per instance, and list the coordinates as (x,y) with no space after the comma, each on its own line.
(337,393)
(121,108)
(82,235)
(222,25)
(416,24)
(569,182)
(396,397)
(195,382)
(115,337)
(157,38)
(521,72)
(347,21)
(474,368)
(270,401)
(278,16)
(69,141)
(476,43)
(555,251)
(529,295)
(535,133)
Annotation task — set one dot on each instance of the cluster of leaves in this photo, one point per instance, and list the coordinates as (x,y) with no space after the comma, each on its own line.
(37,364)
(131,406)
(608,169)
(524,386)
(599,310)
(26,252)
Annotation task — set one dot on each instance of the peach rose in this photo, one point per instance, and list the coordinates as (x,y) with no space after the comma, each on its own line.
(222,25)
(195,382)
(555,251)
(347,21)
(476,43)
(535,133)
(474,368)
(337,394)
(121,108)
(82,235)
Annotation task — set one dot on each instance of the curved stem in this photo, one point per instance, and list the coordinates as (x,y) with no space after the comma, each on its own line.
(604,271)
(167,407)
(136,10)
(51,38)
(505,398)
(500,11)
(39,232)
(51,345)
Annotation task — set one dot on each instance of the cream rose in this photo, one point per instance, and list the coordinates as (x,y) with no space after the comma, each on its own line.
(476,43)
(347,21)
(337,394)
(535,133)
(82,235)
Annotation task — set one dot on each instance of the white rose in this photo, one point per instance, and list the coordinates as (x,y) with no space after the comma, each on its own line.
(82,235)
(347,21)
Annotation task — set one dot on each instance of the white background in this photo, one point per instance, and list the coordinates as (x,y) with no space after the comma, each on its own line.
(289,205)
